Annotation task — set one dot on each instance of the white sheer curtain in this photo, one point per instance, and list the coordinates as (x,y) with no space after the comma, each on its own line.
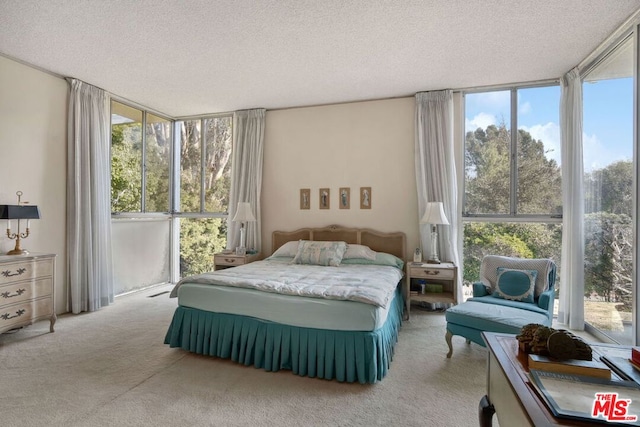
(436,172)
(246,174)
(571,308)
(89,199)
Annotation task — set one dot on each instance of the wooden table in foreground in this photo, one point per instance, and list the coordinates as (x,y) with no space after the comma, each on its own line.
(510,394)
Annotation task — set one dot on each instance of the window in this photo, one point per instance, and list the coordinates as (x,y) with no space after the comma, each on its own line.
(126,158)
(512,185)
(142,182)
(140,161)
(608,184)
(141,146)
(205,182)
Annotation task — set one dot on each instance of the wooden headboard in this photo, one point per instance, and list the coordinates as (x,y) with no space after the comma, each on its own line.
(391,243)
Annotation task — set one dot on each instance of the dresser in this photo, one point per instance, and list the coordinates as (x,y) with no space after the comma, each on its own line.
(27,284)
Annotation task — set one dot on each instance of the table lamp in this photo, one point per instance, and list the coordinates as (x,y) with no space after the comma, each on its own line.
(243,215)
(434,215)
(18,212)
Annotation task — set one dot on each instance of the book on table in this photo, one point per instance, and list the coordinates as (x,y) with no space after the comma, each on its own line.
(594,368)
(624,367)
(588,398)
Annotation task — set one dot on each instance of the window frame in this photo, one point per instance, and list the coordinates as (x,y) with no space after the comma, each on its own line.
(513,215)
(176,192)
(143,162)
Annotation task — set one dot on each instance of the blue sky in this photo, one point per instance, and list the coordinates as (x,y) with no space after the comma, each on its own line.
(607,118)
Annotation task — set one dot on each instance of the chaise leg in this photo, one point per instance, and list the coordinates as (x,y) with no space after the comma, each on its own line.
(447,337)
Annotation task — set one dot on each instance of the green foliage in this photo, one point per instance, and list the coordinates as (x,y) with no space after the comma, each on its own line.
(609,257)
(200,238)
(487,191)
(126,168)
(608,224)
(508,239)
(610,189)
(487,174)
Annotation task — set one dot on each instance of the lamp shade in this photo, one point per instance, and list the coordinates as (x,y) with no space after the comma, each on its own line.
(19,212)
(434,214)
(243,213)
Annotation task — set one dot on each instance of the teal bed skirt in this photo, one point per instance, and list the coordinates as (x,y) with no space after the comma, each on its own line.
(347,356)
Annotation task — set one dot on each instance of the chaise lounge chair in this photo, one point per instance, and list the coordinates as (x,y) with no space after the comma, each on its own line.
(511,293)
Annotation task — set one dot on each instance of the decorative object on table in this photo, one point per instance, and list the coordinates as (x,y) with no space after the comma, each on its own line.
(434,215)
(305,198)
(18,212)
(243,215)
(417,256)
(558,344)
(365,197)
(325,198)
(345,198)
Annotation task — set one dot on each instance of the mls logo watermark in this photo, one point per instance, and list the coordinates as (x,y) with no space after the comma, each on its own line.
(612,408)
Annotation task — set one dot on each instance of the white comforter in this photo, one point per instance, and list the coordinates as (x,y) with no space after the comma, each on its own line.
(370,284)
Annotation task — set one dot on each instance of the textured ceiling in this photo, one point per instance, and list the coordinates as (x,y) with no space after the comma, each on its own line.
(200,56)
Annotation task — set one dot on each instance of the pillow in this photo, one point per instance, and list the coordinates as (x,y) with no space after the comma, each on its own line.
(381,259)
(515,285)
(359,251)
(289,249)
(320,253)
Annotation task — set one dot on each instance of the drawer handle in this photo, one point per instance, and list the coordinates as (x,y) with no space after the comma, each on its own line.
(17,294)
(8,316)
(7,273)
(230,259)
(435,272)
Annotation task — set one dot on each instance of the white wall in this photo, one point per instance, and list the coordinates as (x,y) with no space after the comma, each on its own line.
(33,150)
(363,144)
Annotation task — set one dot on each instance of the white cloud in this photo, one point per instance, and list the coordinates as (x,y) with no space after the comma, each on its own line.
(596,155)
(482,120)
(525,108)
(549,134)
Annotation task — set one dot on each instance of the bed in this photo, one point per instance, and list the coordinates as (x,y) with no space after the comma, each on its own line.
(339,321)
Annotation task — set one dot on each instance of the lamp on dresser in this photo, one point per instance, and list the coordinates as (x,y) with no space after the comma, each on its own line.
(434,215)
(243,215)
(18,212)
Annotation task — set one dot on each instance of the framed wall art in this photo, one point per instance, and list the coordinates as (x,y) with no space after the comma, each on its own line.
(325,199)
(305,198)
(344,198)
(365,197)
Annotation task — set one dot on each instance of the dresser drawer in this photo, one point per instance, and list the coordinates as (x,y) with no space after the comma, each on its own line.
(431,273)
(23,291)
(25,270)
(25,313)
(230,260)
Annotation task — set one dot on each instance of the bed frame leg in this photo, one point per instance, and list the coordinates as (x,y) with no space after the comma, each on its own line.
(447,337)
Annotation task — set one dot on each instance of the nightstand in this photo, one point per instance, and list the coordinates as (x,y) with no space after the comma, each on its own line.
(442,275)
(222,260)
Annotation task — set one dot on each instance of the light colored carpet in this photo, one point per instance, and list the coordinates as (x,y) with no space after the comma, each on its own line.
(111,368)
